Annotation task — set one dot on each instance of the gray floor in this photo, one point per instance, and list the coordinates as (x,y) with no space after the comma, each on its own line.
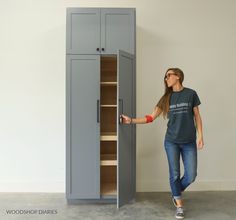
(147,206)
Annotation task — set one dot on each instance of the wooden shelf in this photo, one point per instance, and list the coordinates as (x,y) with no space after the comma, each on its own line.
(108,106)
(108,136)
(108,163)
(108,189)
(108,83)
(108,160)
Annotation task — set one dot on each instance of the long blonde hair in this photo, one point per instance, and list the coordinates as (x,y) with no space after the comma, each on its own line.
(164,102)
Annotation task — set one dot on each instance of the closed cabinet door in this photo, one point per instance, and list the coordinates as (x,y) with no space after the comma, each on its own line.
(82,127)
(83,31)
(117,30)
(126,145)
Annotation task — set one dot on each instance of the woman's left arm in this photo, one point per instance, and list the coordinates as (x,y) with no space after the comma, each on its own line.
(198,120)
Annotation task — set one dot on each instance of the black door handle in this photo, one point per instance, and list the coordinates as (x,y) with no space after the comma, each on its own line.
(120,112)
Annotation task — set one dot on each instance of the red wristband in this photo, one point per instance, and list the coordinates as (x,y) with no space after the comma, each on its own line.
(149,118)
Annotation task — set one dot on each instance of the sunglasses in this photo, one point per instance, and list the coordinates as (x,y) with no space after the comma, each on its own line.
(167,76)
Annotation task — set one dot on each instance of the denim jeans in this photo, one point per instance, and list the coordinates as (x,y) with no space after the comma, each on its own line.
(188,152)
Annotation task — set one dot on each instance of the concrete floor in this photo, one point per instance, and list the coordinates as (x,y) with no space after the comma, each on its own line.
(147,206)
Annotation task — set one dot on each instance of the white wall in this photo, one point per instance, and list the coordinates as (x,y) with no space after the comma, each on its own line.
(197,36)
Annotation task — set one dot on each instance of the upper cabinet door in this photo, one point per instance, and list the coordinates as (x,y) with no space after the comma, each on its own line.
(126,148)
(117,30)
(83,126)
(83,31)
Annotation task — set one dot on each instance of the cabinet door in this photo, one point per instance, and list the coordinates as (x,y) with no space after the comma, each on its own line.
(83,31)
(82,127)
(126,147)
(117,30)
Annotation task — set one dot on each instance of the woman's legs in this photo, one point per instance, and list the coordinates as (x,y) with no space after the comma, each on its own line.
(173,156)
(188,152)
(189,157)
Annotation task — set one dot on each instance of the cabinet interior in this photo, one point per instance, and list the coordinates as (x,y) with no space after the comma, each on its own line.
(108,95)
(108,119)
(108,68)
(108,181)
(108,126)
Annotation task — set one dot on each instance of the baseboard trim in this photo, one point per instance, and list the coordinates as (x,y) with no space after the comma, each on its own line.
(141,186)
(57,187)
(163,186)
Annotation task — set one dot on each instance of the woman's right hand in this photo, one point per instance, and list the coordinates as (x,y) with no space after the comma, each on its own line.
(125,119)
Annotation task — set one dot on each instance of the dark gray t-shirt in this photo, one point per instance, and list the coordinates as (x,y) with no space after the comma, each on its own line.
(181,126)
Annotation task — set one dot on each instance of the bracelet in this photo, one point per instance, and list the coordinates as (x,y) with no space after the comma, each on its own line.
(149,118)
(130,120)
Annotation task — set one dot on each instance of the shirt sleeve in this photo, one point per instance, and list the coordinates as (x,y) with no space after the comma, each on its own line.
(196,100)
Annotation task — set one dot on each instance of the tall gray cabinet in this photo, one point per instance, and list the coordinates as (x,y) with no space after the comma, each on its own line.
(100,86)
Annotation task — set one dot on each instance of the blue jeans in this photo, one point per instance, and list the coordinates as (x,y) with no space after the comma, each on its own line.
(188,152)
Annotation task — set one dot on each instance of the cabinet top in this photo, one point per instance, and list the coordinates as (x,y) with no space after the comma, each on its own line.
(94,8)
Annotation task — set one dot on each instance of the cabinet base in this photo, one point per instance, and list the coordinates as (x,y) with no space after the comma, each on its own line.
(90,201)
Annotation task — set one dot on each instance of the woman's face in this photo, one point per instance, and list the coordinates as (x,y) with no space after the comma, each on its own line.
(171,78)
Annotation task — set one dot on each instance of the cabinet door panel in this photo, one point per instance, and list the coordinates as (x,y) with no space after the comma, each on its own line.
(117,30)
(82,127)
(83,30)
(126,148)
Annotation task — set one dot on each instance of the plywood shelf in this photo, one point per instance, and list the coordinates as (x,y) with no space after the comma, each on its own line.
(108,136)
(108,163)
(108,160)
(108,83)
(108,106)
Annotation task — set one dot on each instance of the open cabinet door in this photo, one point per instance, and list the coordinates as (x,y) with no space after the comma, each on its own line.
(125,146)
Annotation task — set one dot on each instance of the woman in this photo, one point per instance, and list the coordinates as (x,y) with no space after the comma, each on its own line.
(180,105)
